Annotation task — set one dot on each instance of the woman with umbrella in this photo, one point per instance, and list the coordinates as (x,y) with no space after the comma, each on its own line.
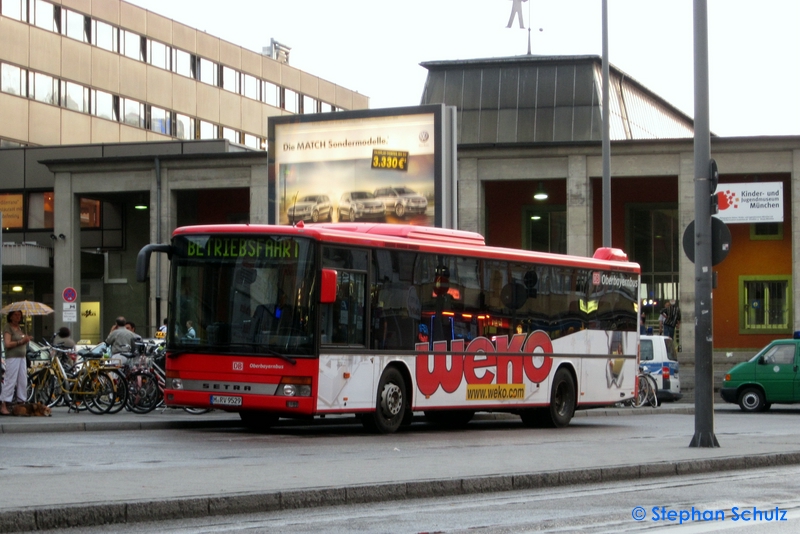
(16,377)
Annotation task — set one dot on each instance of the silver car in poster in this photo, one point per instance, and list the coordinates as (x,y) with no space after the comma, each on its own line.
(401,201)
(313,208)
(360,205)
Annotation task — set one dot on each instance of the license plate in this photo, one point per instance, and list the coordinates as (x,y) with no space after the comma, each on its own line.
(226,401)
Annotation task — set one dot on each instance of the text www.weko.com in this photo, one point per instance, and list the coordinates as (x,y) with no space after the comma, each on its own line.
(479,392)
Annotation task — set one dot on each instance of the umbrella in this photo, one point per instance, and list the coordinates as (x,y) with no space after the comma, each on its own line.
(27,307)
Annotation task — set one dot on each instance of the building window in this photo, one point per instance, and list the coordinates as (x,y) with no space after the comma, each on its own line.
(105,105)
(208,130)
(75,97)
(291,101)
(45,88)
(105,36)
(209,72)
(15,9)
(160,120)
(251,87)
(230,79)
(12,80)
(772,231)
(765,304)
(101,224)
(159,55)
(270,94)
(309,104)
(230,134)
(252,141)
(545,229)
(133,113)
(653,242)
(324,107)
(133,45)
(76,26)
(47,16)
(184,126)
(184,63)
(11,207)
(40,210)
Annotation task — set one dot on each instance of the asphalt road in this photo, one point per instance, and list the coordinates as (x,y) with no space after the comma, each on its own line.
(85,477)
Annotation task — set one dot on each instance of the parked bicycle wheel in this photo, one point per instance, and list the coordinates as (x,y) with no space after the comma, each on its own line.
(120,390)
(43,387)
(652,397)
(143,392)
(103,392)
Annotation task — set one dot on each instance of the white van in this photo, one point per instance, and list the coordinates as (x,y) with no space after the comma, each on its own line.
(659,358)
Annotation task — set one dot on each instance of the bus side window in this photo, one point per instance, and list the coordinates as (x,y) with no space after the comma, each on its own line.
(346,319)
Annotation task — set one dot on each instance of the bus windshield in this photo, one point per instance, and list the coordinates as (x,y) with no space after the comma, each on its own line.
(243,295)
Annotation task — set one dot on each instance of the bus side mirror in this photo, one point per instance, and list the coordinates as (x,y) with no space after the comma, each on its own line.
(328,286)
(143,259)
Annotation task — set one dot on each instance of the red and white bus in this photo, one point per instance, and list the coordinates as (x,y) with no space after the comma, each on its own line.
(384,320)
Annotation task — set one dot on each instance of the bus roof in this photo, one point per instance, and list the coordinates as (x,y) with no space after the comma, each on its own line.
(421,238)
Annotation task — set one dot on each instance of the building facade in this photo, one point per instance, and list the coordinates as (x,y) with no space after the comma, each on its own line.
(106,71)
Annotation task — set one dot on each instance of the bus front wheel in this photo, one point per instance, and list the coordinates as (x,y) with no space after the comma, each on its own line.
(391,404)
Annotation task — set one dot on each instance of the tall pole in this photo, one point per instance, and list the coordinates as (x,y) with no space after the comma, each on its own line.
(606,136)
(704,372)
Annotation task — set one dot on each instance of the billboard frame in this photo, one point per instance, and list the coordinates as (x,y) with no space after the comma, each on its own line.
(444,146)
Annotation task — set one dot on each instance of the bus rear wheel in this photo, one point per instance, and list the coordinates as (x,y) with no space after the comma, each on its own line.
(391,404)
(562,404)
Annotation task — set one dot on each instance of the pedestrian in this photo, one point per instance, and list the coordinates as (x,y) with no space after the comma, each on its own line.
(121,341)
(190,333)
(642,324)
(63,338)
(162,330)
(671,315)
(15,381)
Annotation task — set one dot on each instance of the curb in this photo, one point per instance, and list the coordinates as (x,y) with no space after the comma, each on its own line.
(31,519)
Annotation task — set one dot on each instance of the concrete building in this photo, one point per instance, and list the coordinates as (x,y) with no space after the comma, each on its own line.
(106,71)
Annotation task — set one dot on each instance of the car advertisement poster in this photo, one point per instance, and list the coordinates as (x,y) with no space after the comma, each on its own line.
(760,202)
(371,168)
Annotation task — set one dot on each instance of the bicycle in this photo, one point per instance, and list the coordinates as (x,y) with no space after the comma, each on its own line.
(646,391)
(89,385)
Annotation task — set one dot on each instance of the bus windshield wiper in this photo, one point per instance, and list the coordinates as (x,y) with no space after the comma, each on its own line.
(256,347)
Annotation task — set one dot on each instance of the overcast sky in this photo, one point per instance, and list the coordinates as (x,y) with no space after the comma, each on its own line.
(375,46)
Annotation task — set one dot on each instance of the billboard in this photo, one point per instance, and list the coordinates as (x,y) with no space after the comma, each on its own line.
(758,202)
(389,165)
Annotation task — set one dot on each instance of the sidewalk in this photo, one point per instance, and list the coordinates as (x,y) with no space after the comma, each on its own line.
(290,471)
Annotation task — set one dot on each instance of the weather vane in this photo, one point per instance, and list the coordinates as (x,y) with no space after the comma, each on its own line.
(516,9)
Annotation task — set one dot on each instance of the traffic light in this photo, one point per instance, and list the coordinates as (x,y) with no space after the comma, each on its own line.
(713,180)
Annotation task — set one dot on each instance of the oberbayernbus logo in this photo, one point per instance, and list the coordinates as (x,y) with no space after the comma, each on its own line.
(238,366)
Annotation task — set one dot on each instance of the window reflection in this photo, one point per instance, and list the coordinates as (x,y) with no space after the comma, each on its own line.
(40,210)
(45,88)
(105,36)
(12,80)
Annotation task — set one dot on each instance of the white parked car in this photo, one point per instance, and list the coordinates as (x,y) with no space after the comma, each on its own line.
(659,358)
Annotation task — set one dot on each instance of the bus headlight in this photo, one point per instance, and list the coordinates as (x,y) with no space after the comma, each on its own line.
(177,383)
(295,386)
